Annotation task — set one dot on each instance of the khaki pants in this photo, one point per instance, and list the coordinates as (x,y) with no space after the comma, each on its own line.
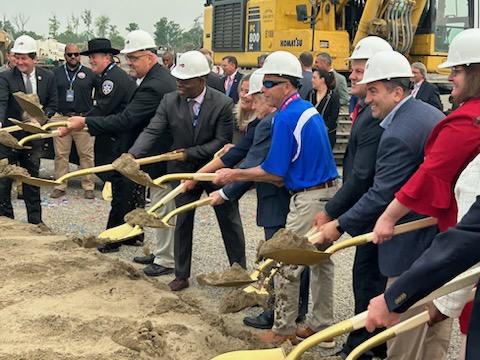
(421,343)
(84,144)
(303,207)
(164,237)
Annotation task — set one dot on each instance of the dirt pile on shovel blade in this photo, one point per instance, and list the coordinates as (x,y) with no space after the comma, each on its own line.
(237,299)
(9,140)
(233,274)
(7,169)
(143,218)
(127,166)
(283,240)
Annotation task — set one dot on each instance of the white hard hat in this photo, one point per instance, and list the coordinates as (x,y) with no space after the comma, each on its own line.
(24,44)
(255,83)
(138,40)
(369,46)
(190,65)
(463,50)
(282,63)
(386,65)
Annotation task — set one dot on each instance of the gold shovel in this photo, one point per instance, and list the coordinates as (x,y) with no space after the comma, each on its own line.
(127,231)
(94,170)
(468,278)
(30,107)
(29,127)
(394,331)
(312,257)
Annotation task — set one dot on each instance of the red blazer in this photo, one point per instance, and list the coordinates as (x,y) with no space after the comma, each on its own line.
(453,143)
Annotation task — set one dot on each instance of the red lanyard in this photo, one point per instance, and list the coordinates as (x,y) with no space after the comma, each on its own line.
(288,101)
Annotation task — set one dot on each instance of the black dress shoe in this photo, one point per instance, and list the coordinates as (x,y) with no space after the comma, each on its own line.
(145,260)
(109,248)
(262,321)
(178,284)
(157,270)
(135,241)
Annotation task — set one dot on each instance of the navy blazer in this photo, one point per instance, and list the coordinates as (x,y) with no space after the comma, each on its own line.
(272,201)
(429,93)
(451,253)
(358,162)
(400,152)
(233,93)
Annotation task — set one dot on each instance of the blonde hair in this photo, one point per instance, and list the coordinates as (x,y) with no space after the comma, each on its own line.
(243,117)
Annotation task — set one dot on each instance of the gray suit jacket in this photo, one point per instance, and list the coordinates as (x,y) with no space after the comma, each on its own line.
(400,152)
(341,88)
(172,120)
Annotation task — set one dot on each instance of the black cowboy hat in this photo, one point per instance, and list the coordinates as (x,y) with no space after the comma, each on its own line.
(100,45)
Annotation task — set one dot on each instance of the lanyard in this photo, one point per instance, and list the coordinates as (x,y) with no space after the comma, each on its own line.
(288,101)
(72,80)
(110,67)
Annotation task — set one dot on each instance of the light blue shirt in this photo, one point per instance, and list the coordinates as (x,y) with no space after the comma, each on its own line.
(389,118)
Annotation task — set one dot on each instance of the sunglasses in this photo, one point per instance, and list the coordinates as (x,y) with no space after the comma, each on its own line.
(268,84)
(73,54)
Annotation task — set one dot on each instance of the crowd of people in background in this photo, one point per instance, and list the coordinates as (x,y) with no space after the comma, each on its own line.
(277,127)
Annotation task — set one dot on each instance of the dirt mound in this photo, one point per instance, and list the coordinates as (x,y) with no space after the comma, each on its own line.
(61,301)
(234,274)
(237,299)
(7,169)
(283,240)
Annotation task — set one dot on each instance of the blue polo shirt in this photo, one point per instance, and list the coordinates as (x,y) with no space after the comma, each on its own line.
(300,152)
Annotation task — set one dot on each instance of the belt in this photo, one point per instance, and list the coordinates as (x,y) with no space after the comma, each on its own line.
(73,114)
(325,185)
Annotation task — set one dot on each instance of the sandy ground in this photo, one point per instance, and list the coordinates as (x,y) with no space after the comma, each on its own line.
(60,301)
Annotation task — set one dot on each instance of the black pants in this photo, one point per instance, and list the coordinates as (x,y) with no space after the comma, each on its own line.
(228,217)
(368,282)
(473,339)
(30,160)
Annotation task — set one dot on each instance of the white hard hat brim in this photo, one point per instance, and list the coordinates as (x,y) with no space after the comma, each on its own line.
(180,76)
(379,78)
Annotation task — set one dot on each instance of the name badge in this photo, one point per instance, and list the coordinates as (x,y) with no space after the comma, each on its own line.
(70,95)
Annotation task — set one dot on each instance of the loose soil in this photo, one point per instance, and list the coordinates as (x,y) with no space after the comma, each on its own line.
(283,240)
(233,274)
(237,299)
(62,301)
(143,218)
(127,166)
(7,169)
(9,140)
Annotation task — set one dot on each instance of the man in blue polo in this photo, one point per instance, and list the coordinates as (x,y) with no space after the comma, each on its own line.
(301,158)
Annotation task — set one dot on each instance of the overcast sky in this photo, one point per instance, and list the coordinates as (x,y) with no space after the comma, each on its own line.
(121,12)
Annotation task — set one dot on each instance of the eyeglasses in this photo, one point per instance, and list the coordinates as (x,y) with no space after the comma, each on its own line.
(133,58)
(456,70)
(270,83)
(72,54)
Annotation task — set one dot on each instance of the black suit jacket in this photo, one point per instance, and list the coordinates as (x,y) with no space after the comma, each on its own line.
(451,253)
(12,81)
(215,81)
(429,93)
(129,123)
(358,162)
(233,94)
(214,129)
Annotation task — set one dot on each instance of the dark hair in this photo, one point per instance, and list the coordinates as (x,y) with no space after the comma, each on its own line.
(472,83)
(231,60)
(325,57)
(306,59)
(404,83)
(328,76)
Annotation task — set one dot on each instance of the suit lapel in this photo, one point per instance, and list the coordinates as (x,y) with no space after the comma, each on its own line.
(420,90)
(19,79)
(185,115)
(40,83)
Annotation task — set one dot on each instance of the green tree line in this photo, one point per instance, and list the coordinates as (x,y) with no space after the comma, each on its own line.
(80,28)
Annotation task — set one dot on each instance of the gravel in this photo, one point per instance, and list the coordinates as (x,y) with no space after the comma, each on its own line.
(77,216)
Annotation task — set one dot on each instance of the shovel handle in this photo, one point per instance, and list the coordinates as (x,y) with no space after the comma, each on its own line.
(366,238)
(167,198)
(186,207)
(10,129)
(38,137)
(185,176)
(54,124)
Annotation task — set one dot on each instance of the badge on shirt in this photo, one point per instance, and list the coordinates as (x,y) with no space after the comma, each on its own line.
(81,75)
(107,87)
(70,96)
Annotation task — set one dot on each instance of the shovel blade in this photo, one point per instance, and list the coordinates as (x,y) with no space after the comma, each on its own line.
(267,354)
(29,127)
(298,256)
(34,181)
(121,232)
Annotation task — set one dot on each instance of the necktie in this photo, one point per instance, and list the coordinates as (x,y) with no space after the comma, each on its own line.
(228,84)
(28,85)
(356,109)
(193,116)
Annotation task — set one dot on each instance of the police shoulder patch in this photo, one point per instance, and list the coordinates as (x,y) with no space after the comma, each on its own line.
(107,87)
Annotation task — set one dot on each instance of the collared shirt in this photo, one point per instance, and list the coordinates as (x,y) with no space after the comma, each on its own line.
(416,87)
(139,81)
(33,80)
(389,118)
(229,81)
(84,81)
(198,101)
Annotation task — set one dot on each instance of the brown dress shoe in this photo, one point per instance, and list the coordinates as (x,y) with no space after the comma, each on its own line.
(56,193)
(272,338)
(178,284)
(303,332)
(89,194)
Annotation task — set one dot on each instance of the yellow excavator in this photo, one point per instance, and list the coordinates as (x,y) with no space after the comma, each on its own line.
(420,29)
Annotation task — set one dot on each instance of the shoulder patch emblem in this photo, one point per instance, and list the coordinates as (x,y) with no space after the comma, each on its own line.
(81,75)
(107,87)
